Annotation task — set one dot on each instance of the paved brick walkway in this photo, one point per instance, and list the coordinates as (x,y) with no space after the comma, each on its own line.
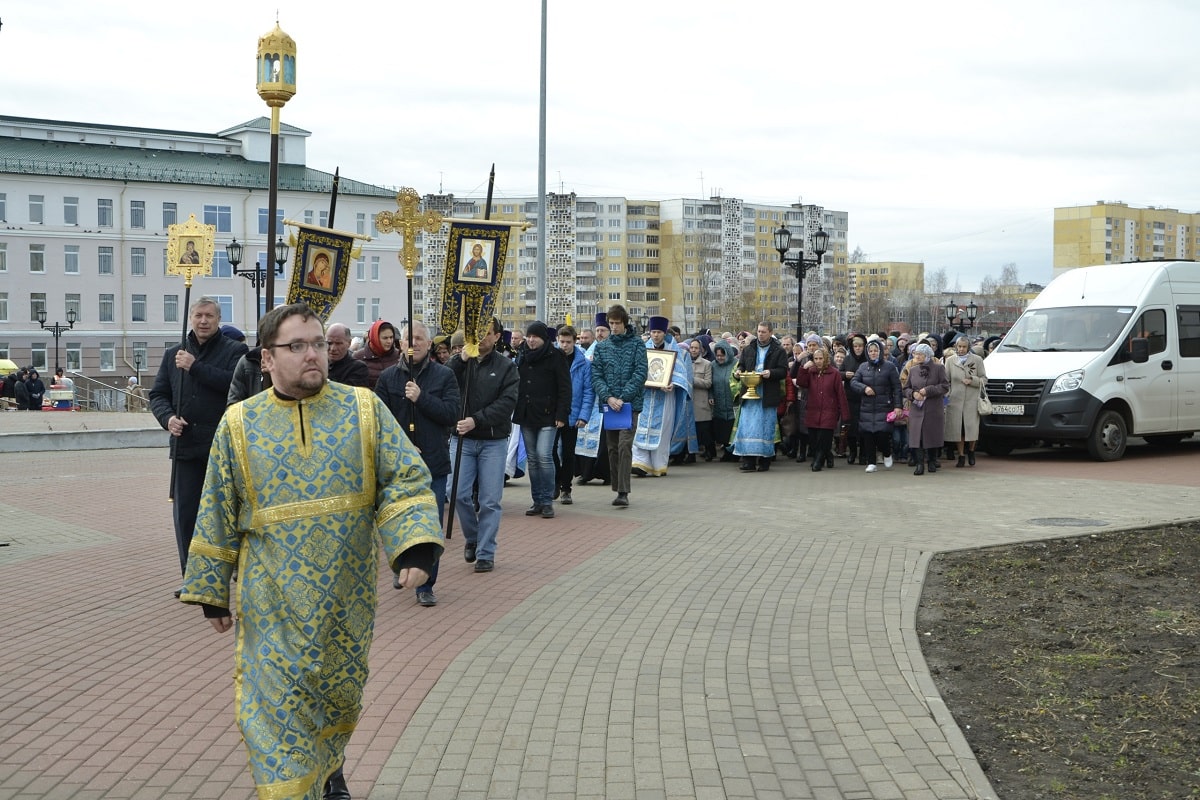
(727,636)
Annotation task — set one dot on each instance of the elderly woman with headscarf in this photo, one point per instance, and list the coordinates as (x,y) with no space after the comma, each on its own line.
(799,397)
(924,387)
(381,352)
(856,354)
(967,377)
(877,383)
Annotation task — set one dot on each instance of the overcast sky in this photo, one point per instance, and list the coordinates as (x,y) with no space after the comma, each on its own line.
(949,131)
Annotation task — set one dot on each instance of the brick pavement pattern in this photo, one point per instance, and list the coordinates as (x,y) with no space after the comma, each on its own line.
(727,636)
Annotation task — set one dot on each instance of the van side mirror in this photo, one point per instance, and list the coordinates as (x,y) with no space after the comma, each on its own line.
(1140,351)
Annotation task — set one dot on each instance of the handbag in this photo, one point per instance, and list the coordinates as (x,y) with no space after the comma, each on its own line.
(984,403)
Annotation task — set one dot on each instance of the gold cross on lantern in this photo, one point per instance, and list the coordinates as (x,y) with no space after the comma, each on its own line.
(408,222)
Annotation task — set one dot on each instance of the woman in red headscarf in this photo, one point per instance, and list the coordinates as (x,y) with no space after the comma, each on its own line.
(382,350)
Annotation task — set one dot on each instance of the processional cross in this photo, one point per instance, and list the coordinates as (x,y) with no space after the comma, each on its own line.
(408,222)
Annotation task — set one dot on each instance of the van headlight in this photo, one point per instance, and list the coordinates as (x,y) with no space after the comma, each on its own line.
(1067,382)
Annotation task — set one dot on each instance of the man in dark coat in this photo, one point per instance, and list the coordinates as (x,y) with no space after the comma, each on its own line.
(543,406)
(343,367)
(424,399)
(755,438)
(188,400)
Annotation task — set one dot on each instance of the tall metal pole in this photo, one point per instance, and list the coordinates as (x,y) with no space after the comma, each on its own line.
(272,204)
(541,257)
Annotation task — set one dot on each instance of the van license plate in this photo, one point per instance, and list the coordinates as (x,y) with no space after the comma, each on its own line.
(1017,410)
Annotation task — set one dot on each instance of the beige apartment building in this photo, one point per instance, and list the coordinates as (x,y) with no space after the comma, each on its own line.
(1109,233)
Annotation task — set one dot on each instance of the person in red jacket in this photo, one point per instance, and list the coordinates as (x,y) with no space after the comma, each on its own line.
(826,406)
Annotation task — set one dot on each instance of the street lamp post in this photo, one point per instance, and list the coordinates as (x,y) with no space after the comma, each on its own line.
(954,316)
(276,84)
(800,265)
(256,276)
(137,367)
(56,330)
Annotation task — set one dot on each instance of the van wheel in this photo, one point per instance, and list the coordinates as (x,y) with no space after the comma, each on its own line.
(999,447)
(1108,438)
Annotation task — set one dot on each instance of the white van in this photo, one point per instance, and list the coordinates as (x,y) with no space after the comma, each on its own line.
(1101,354)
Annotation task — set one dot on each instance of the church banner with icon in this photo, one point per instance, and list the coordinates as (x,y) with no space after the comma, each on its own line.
(475,258)
(320,268)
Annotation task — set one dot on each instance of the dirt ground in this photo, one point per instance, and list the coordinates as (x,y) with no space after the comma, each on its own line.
(1073,665)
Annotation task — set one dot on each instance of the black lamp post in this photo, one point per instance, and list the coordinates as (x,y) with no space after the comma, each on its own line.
(800,265)
(137,367)
(955,318)
(56,330)
(258,275)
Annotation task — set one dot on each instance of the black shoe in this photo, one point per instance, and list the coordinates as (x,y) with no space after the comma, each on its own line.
(970,458)
(622,499)
(566,497)
(800,459)
(764,464)
(469,553)
(638,472)
(533,510)
(829,461)
(547,512)
(426,599)
(920,470)
(747,465)
(962,461)
(484,566)
(396,581)
(335,787)
(582,481)
(178,592)
(912,459)
(691,459)
(816,465)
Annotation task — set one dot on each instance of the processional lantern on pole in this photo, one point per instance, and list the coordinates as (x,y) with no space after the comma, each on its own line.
(276,84)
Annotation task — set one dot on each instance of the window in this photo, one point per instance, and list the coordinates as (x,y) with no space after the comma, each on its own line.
(262,221)
(360,223)
(3,207)
(71,259)
(3,257)
(170,308)
(308,216)
(138,308)
(37,302)
(139,354)
(37,258)
(108,356)
(70,210)
(106,308)
(137,261)
(137,213)
(324,219)
(360,269)
(375,308)
(1189,331)
(4,350)
(221,266)
(1153,327)
(37,209)
(170,214)
(3,306)
(104,213)
(225,303)
(361,311)
(104,260)
(221,216)
(37,357)
(375,268)
(72,301)
(74,356)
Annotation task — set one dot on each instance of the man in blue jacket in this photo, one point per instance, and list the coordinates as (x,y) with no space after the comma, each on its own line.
(619,377)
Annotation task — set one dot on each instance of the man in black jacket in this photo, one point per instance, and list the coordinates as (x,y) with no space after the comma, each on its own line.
(425,400)
(188,400)
(343,367)
(483,436)
(543,406)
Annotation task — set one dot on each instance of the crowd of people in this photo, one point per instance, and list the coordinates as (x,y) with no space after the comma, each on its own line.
(295,456)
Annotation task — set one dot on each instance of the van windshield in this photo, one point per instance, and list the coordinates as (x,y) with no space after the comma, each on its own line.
(1077,328)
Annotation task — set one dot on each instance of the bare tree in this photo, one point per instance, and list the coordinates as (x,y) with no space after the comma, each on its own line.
(936,281)
(858,256)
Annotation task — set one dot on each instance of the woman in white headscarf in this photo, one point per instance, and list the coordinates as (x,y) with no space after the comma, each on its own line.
(967,376)
(924,387)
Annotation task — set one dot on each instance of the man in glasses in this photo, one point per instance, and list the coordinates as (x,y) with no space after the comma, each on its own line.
(302,480)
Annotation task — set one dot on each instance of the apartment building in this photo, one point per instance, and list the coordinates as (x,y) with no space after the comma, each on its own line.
(1107,233)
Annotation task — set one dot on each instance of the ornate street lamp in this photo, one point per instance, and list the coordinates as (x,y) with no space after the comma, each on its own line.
(801,265)
(954,316)
(56,330)
(276,84)
(257,276)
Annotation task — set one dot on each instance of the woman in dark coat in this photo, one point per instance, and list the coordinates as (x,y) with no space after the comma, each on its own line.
(825,407)
(856,354)
(36,389)
(381,352)
(877,383)
(927,383)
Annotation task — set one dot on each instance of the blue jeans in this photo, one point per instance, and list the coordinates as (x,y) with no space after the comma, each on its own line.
(539,462)
(438,484)
(482,461)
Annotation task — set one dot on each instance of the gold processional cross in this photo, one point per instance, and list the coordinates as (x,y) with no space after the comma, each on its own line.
(408,222)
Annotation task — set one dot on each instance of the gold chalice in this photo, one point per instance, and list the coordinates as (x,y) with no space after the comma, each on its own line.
(750,380)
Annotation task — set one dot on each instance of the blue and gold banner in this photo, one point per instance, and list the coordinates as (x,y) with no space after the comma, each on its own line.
(320,268)
(475,257)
